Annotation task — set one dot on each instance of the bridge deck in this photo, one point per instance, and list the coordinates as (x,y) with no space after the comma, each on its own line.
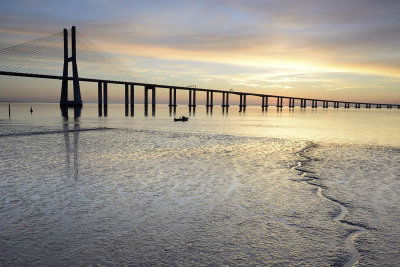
(54,77)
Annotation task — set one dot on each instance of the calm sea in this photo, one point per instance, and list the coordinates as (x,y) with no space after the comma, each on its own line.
(314,187)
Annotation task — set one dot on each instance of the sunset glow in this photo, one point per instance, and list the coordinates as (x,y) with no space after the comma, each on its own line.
(335,50)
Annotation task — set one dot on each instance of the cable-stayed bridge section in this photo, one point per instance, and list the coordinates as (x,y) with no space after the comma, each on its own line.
(49,57)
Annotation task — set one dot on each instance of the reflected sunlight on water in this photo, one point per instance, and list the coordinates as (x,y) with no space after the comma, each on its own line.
(220,189)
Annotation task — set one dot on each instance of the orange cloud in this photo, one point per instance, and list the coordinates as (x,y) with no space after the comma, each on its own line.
(310,61)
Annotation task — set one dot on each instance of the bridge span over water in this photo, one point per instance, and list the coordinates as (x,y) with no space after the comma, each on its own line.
(17,68)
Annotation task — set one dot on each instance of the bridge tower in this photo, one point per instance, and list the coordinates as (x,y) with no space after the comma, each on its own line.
(77,102)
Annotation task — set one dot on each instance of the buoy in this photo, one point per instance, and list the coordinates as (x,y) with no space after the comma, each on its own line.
(31,110)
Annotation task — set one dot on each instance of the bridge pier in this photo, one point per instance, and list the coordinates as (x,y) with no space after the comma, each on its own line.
(126,99)
(172,99)
(225,101)
(192,98)
(77,102)
(357,105)
(132,100)
(388,106)
(210,99)
(105,99)
(291,102)
(264,104)
(146,100)
(153,101)
(314,103)
(242,104)
(278,101)
(303,103)
(100,98)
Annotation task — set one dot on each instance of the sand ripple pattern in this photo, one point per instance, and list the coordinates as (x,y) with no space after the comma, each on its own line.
(127,197)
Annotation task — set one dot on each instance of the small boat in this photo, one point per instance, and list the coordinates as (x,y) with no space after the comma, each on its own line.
(181,118)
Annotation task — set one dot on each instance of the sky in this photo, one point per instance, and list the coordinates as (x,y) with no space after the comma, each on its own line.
(340,50)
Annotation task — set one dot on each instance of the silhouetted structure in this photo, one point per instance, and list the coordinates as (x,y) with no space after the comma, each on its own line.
(129,89)
(77,102)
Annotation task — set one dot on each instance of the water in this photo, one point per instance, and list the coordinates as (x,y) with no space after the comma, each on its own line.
(314,187)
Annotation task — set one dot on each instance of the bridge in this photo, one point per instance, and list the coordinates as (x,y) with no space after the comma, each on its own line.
(23,60)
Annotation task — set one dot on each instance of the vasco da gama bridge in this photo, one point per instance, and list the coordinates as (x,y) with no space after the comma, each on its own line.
(44,58)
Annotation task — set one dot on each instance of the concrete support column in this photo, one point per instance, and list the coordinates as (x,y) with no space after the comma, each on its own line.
(315,104)
(153,100)
(146,100)
(174,97)
(105,99)
(208,99)
(291,102)
(100,98)
(126,99)
(192,97)
(262,103)
(146,96)
(170,97)
(132,99)
(223,99)
(212,99)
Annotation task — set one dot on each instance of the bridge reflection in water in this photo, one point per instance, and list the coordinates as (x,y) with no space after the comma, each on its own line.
(71,149)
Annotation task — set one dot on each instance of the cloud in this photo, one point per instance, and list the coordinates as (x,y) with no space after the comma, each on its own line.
(290,44)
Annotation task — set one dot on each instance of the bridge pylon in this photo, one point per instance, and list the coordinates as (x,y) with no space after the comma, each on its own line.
(77,102)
